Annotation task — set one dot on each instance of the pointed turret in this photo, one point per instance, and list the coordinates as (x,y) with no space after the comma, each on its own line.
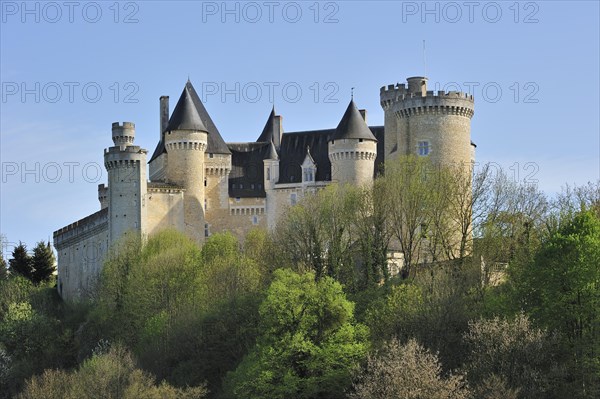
(272,152)
(352,149)
(272,131)
(352,126)
(185,115)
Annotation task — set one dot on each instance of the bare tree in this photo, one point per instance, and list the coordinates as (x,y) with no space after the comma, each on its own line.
(406,371)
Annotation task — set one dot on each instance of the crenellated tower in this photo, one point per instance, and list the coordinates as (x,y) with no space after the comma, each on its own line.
(352,149)
(127,183)
(185,141)
(421,122)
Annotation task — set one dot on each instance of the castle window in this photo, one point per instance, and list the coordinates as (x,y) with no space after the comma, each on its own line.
(293,198)
(233,186)
(360,140)
(255,220)
(211,155)
(423,148)
(205,204)
(241,186)
(206,230)
(259,186)
(252,186)
(205,182)
(268,173)
(237,199)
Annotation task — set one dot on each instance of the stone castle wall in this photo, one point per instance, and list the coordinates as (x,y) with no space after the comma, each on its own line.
(81,248)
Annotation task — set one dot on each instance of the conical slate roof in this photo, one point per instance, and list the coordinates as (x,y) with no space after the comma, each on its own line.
(271,130)
(185,115)
(352,126)
(215,145)
(272,152)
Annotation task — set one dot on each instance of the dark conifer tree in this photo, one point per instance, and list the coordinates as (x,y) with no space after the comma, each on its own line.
(21,262)
(43,262)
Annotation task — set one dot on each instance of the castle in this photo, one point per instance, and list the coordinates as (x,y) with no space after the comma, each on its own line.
(199,184)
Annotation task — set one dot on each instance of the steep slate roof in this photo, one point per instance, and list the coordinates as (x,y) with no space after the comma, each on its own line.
(352,126)
(247,169)
(293,152)
(271,130)
(216,144)
(185,115)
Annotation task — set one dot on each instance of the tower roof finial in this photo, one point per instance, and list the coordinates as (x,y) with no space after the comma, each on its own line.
(352,93)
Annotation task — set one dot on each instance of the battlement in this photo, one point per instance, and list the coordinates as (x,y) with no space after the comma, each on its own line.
(124,157)
(406,103)
(81,228)
(123,125)
(399,91)
(123,133)
(102,192)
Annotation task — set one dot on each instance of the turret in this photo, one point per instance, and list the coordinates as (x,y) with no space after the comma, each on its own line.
(271,174)
(127,185)
(273,130)
(352,149)
(271,167)
(186,139)
(103,196)
(424,123)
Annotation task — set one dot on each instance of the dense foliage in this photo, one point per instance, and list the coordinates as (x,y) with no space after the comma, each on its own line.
(311,310)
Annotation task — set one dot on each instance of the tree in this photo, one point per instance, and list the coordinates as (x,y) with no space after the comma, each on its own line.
(308,344)
(316,234)
(21,262)
(405,180)
(42,262)
(105,375)
(560,287)
(189,314)
(524,358)
(372,233)
(3,270)
(409,372)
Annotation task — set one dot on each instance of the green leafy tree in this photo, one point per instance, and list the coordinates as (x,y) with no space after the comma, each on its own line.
(316,234)
(308,345)
(3,270)
(409,372)
(372,233)
(42,262)
(21,262)
(560,288)
(106,375)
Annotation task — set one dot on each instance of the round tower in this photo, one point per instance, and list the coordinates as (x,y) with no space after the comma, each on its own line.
(185,141)
(352,150)
(127,184)
(424,123)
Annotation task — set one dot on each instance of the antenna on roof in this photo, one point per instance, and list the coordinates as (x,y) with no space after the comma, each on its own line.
(424,59)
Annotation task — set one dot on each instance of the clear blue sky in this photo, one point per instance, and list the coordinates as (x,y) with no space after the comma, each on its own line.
(532,66)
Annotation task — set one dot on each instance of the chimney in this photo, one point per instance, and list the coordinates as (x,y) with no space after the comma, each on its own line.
(363,113)
(278,128)
(164,114)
